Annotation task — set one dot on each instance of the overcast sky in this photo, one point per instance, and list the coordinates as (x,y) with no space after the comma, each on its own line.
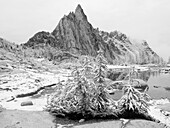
(141,19)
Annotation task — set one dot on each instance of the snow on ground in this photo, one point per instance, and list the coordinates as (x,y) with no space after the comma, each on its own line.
(38,104)
(28,81)
(162,115)
(25,81)
(118,67)
(136,67)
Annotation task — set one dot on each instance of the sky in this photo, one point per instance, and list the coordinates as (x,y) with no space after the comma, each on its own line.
(141,19)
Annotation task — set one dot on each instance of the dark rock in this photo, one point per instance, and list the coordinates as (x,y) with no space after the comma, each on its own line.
(37,80)
(116,75)
(63,56)
(17,122)
(139,84)
(41,39)
(26,103)
(10,99)
(155,86)
(167,88)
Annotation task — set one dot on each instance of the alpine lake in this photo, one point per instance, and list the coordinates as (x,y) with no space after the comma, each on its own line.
(158,84)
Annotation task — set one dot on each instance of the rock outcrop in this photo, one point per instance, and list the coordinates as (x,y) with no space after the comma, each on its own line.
(76,35)
(42,39)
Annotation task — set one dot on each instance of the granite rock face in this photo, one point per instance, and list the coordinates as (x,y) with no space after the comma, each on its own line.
(76,35)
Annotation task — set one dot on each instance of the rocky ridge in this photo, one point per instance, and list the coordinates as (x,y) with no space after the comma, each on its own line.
(76,35)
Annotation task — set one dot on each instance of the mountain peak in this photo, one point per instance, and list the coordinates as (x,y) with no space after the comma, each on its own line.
(76,35)
(80,13)
(78,8)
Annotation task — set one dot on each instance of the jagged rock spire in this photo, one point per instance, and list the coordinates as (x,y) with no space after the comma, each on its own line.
(75,34)
(78,8)
(79,13)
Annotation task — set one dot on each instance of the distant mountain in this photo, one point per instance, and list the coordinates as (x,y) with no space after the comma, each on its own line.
(8,50)
(76,35)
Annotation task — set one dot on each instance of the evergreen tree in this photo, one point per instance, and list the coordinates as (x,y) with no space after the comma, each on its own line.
(133,102)
(103,101)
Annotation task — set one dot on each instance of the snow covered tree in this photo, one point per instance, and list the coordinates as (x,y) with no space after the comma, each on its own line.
(133,102)
(84,97)
(103,101)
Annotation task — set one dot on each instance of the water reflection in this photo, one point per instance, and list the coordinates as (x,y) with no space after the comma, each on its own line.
(159,84)
(155,73)
(143,75)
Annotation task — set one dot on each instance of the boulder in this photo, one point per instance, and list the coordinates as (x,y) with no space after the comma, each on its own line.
(140,84)
(26,103)
(167,88)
